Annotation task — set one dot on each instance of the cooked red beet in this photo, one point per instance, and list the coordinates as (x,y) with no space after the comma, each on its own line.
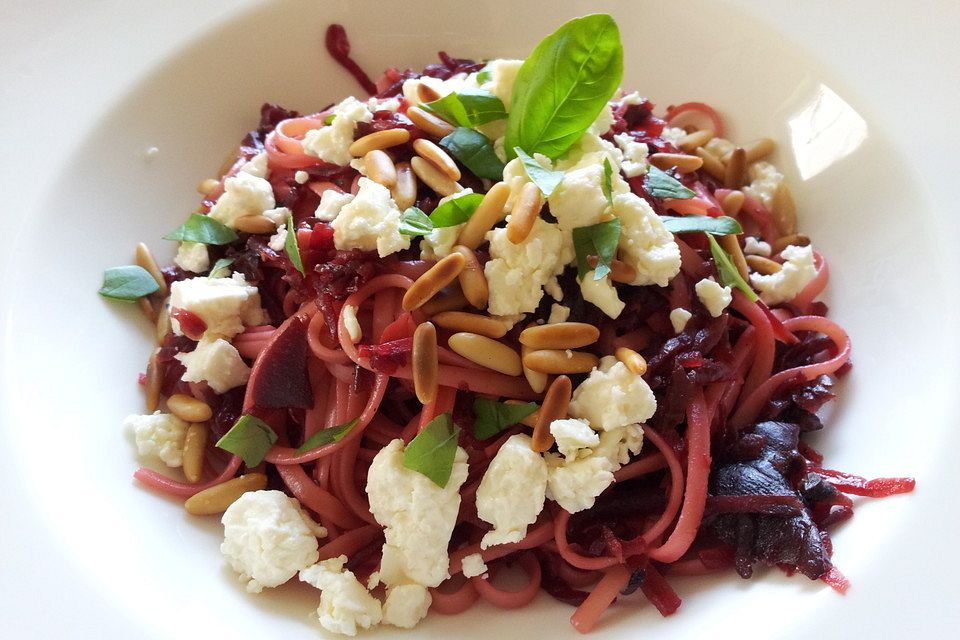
(387,356)
(279,378)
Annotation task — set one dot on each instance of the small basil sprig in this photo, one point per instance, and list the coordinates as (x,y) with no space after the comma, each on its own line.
(546,179)
(203,229)
(250,438)
(468,108)
(719,226)
(127,283)
(607,184)
(223,264)
(327,436)
(433,450)
(290,244)
(492,417)
(727,270)
(599,240)
(474,150)
(414,222)
(660,184)
(456,210)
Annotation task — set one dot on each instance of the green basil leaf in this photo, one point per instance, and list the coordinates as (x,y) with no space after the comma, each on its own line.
(329,119)
(474,150)
(484,74)
(250,438)
(721,226)
(433,450)
(223,264)
(293,251)
(468,108)
(204,229)
(455,211)
(545,179)
(607,184)
(327,436)
(727,270)
(415,222)
(127,283)
(493,417)
(564,84)
(599,240)
(661,184)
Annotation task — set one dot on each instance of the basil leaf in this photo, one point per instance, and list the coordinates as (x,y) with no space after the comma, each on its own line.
(327,436)
(545,179)
(493,417)
(564,84)
(599,240)
(329,119)
(203,229)
(415,222)
(721,226)
(729,275)
(455,211)
(660,184)
(293,251)
(127,283)
(607,184)
(223,264)
(468,108)
(432,451)
(250,438)
(474,150)
(484,74)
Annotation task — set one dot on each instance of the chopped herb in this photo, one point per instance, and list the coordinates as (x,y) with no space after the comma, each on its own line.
(545,179)
(474,150)
(433,450)
(415,222)
(203,229)
(327,436)
(468,108)
(661,184)
(456,210)
(607,184)
(127,283)
(250,438)
(293,251)
(720,226)
(493,417)
(484,75)
(599,240)
(727,270)
(223,264)
(329,119)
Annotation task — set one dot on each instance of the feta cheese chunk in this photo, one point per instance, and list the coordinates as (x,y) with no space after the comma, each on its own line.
(331,202)
(645,244)
(602,294)
(216,362)
(634,155)
(418,517)
(713,296)
(679,318)
(370,221)
(578,201)
(224,304)
(331,143)
(573,437)
(575,485)
(720,147)
(473,565)
(192,256)
(406,605)
(503,73)
(345,605)
(440,242)
(511,493)
(612,397)
(673,135)
(754,247)
(256,166)
(517,273)
(603,121)
(267,539)
(558,313)
(797,271)
(764,181)
(159,434)
(245,194)
(301,177)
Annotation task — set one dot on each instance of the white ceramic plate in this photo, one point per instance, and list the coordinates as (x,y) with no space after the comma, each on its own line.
(862,101)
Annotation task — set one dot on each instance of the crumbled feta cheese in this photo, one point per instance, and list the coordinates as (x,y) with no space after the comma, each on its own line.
(645,244)
(612,396)
(266,539)
(418,517)
(720,147)
(344,604)
(224,304)
(278,241)
(516,273)
(278,216)
(217,362)
(552,287)
(573,436)
(754,247)
(503,73)
(602,294)
(679,318)
(331,202)
(589,150)
(634,155)
(673,135)
(713,296)
(193,256)
(473,565)
(440,242)
(256,166)
(301,177)
(160,435)
(575,485)
(245,194)
(797,271)
(603,122)
(632,98)
(578,201)
(331,143)
(351,323)
(370,221)
(406,605)
(764,181)
(383,104)
(511,493)
(558,313)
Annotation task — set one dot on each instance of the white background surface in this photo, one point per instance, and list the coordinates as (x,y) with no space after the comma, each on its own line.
(88,87)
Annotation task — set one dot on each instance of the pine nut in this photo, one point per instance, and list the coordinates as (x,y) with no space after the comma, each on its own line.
(536,379)
(766,266)
(795,239)
(710,163)
(733,202)
(436,278)
(449,299)
(489,213)
(756,150)
(437,157)
(378,140)
(471,322)
(554,407)
(217,498)
(207,186)
(257,225)
(784,210)
(427,93)
(486,352)
(380,168)
(525,211)
(433,177)
(691,141)
(425,362)
(147,308)
(194,447)
(432,125)
(682,162)
(146,260)
(163,321)
(560,335)
(405,190)
(560,361)
(188,408)
(735,172)
(153,381)
(530,420)
(619,271)
(731,244)
(472,280)
(632,360)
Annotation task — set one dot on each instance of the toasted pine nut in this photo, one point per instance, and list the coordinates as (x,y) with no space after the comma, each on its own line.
(733,202)
(207,186)
(560,361)
(525,211)
(756,150)
(163,320)
(632,360)
(784,210)
(147,308)
(427,93)
(536,379)
(472,280)
(437,277)
(795,239)
(194,446)
(471,322)
(188,408)
(619,271)
(153,381)
(530,420)
(146,260)
(426,365)
(691,141)
(711,164)
(560,335)
(731,244)
(430,124)
(683,162)
(437,157)
(380,168)
(217,498)
(489,213)
(736,170)
(378,140)
(766,266)
(433,177)
(554,407)
(486,352)
(405,190)
(449,299)
(257,225)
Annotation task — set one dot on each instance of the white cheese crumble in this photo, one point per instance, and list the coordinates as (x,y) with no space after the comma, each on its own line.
(579,201)
(473,565)
(558,313)
(754,247)
(679,318)
(193,256)
(797,271)
(331,143)
(443,88)
(224,304)
(256,166)
(345,605)
(603,121)
(503,73)
(612,397)
(574,437)
(331,202)
(245,194)
(301,177)
(764,181)
(645,243)
(602,294)
(216,362)
(516,273)
(159,434)
(673,135)
(440,242)
(351,323)
(370,221)
(634,155)
(511,493)
(720,147)
(406,605)
(714,297)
